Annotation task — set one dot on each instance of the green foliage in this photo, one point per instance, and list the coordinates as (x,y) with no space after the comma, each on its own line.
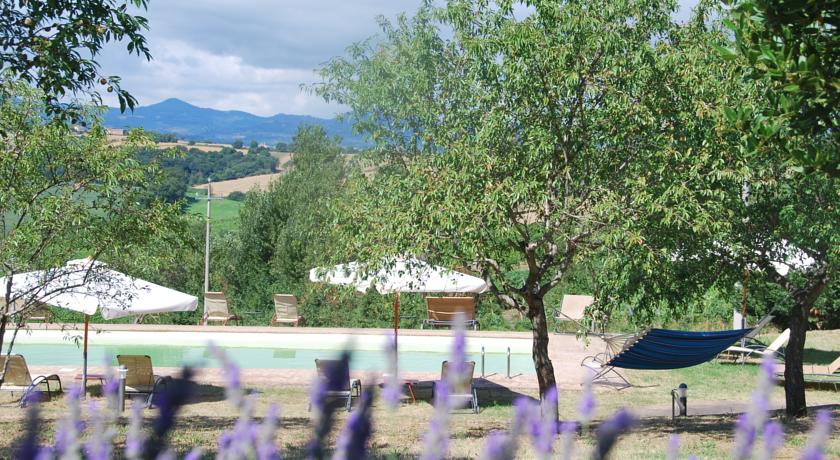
(281,234)
(238,144)
(237,196)
(224,213)
(54,45)
(794,47)
(193,166)
(67,196)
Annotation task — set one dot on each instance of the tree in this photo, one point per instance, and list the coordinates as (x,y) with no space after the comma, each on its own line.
(281,234)
(795,47)
(238,144)
(506,143)
(753,211)
(62,195)
(54,46)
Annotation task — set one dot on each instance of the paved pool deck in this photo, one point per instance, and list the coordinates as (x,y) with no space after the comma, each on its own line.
(565,351)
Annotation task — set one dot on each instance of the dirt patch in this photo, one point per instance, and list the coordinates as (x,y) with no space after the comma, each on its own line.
(245,184)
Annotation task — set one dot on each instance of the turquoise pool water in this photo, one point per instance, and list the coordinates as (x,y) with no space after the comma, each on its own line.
(68,354)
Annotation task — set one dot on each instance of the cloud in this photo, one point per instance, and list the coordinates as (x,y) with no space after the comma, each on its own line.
(250,55)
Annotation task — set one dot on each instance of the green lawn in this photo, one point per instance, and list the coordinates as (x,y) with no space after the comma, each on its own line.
(224,213)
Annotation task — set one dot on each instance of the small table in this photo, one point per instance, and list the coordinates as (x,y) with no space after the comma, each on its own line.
(100,377)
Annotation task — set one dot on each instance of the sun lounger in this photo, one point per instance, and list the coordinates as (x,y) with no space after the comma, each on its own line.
(140,378)
(751,338)
(818,374)
(285,310)
(346,390)
(756,350)
(572,309)
(443,311)
(462,390)
(216,309)
(19,380)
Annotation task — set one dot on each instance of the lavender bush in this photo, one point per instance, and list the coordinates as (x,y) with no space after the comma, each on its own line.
(94,438)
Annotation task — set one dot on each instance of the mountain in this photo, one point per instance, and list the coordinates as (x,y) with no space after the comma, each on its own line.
(225,126)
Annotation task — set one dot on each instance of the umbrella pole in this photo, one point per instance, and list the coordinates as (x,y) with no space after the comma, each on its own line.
(84,358)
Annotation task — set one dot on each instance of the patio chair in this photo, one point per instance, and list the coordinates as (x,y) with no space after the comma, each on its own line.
(216,309)
(464,388)
(751,338)
(19,380)
(443,310)
(346,391)
(818,374)
(140,380)
(40,313)
(572,309)
(285,310)
(757,350)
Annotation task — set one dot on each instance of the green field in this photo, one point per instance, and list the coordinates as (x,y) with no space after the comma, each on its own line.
(224,213)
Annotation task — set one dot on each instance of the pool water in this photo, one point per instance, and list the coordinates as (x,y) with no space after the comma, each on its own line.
(68,354)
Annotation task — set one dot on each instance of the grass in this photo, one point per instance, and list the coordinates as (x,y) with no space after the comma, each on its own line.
(224,213)
(399,433)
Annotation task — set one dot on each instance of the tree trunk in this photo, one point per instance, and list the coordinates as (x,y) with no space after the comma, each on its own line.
(795,405)
(542,363)
(4,320)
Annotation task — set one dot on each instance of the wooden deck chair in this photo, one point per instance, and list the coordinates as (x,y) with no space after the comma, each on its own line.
(463,390)
(40,313)
(759,351)
(140,378)
(443,310)
(347,390)
(216,309)
(286,310)
(19,380)
(572,309)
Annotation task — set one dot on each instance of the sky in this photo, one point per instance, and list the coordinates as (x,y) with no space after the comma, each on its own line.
(249,55)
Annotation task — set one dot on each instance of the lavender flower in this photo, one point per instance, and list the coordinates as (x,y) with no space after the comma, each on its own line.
(544,425)
(499,446)
(266,450)
(774,439)
(352,443)
(815,449)
(673,452)
(233,382)
(99,444)
(751,423)
(392,391)
(335,378)
(586,406)
(28,448)
(436,438)
(67,433)
(609,431)
(568,430)
(135,438)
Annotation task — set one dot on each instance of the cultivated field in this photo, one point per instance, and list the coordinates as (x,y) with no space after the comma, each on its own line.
(244,184)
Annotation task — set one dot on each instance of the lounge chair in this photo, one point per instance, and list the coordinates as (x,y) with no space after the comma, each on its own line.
(757,350)
(349,387)
(19,380)
(140,378)
(751,338)
(216,309)
(464,389)
(443,310)
(40,313)
(818,374)
(285,310)
(572,309)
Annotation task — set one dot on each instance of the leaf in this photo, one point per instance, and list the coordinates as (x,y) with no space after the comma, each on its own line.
(725,53)
(792,88)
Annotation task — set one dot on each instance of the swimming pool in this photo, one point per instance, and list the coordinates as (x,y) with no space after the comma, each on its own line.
(269,351)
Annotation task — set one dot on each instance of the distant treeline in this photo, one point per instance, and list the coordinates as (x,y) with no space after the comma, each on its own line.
(193,166)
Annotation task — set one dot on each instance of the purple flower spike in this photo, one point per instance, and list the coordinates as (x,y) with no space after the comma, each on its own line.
(744,437)
(586,406)
(352,443)
(194,454)
(499,446)
(568,430)
(774,439)
(815,449)
(609,431)
(392,391)
(673,452)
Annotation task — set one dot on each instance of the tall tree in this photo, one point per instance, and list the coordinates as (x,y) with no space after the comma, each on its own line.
(506,140)
(794,46)
(62,194)
(54,46)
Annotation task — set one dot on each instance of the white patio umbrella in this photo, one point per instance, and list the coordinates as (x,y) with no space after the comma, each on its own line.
(397,275)
(85,286)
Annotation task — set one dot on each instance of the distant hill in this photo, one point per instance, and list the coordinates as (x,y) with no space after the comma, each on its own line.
(200,124)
